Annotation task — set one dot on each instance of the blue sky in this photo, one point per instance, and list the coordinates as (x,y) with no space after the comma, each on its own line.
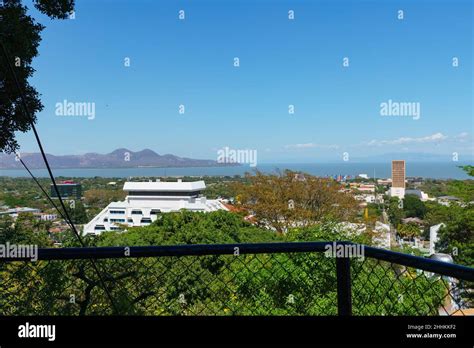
(282,62)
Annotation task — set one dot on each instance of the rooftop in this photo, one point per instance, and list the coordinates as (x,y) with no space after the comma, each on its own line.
(165,186)
(449,198)
(18,210)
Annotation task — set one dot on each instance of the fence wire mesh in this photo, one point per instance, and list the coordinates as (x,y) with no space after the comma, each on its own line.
(384,288)
(301,283)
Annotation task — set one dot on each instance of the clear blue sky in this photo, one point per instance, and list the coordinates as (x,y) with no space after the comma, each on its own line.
(282,62)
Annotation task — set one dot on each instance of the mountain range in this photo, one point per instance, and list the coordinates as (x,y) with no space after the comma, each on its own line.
(120,158)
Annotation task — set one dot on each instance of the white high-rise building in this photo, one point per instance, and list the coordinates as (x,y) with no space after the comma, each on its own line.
(147,199)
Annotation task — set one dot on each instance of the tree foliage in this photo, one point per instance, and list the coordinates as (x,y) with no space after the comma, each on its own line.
(394,210)
(20,34)
(469,169)
(290,200)
(246,284)
(413,207)
(409,230)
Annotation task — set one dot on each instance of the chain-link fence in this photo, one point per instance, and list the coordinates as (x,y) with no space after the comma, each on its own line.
(385,288)
(260,279)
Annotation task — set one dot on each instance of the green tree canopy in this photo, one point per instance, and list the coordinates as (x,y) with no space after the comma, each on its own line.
(414,207)
(469,170)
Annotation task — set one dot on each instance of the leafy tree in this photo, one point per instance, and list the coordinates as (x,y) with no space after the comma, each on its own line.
(395,213)
(14,200)
(457,237)
(290,199)
(102,197)
(77,212)
(414,207)
(469,169)
(462,189)
(187,227)
(438,213)
(409,230)
(26,229)
(20,35)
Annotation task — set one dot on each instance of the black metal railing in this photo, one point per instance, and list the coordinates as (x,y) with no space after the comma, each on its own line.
(235,279)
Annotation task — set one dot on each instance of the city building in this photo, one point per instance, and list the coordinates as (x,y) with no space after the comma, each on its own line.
(47,217)
(413,220)
(14,212)
(361,186)
(145,200)
(447,200)
(351,228)
(384,182)
(369,198)
(366,187)
(300,177)
(398,179)
(420,194)
(415,180)
(67,189)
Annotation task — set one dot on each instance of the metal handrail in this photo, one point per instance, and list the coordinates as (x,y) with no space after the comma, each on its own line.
(426,264)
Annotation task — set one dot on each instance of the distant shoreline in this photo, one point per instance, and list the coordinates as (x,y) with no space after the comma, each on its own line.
(425,170)
(136,167)
(224,165)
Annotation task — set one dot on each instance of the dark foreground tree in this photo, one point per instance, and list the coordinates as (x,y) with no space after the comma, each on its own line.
(19,40)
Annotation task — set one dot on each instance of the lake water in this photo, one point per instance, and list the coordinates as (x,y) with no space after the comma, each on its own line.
(382,170)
